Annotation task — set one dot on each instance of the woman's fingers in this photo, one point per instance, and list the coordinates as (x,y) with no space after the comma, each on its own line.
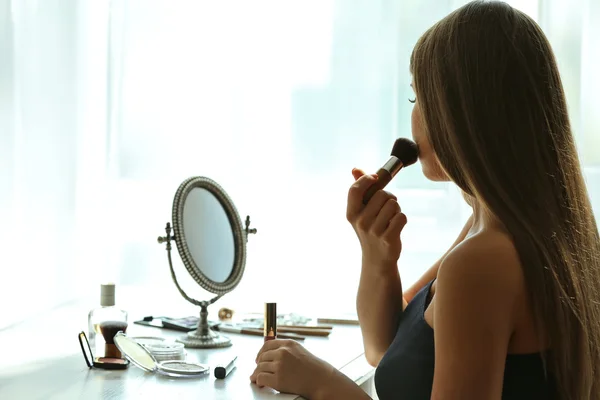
(383,219)
(266,379)
(265,372)
(357,173)
(269,355)
(396,225)
(392,196)
(271,345)
(376,216)
(372,209)
(267,366)
(355,195)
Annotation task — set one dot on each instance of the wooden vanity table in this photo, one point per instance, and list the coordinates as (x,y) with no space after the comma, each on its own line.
(41,359)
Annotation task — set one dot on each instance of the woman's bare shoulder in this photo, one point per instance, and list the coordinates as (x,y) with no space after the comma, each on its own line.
(474,315)
(483,259)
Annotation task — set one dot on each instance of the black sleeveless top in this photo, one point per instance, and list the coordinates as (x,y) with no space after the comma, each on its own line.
(406,370)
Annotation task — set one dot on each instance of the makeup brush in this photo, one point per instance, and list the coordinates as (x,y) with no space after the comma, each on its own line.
(109,329)
(404,153)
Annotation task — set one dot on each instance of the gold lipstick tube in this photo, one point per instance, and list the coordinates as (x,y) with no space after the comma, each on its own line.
(270,330)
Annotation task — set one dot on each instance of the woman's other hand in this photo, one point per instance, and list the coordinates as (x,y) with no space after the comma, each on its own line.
(288,367)
(378,223)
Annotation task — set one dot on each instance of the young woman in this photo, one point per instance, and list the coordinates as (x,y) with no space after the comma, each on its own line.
(512,310)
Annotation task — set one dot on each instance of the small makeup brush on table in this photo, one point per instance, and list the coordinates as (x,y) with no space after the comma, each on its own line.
(109,329)
(234,328)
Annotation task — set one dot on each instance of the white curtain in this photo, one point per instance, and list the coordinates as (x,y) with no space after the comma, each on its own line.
(52,153)
(107,109)
(39,157)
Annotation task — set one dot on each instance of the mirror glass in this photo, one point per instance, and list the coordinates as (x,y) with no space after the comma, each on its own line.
(209,235)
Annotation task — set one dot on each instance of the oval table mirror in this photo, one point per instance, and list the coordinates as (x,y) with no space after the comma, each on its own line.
(211,242)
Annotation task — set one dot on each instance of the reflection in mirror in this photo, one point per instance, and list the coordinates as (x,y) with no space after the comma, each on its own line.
(209,235)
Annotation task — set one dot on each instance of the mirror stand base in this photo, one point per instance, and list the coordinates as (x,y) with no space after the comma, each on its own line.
(204,337)
(209,340)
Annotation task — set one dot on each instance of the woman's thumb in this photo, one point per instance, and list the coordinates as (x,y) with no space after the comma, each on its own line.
(357,173)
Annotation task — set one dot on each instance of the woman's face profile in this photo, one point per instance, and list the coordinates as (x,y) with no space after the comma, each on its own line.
(429,161)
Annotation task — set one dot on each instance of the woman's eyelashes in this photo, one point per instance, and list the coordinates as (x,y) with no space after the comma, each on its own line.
(412,100)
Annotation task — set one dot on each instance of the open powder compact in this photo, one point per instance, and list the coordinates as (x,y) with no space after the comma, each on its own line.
(161,349)
(99,362)
(141,356)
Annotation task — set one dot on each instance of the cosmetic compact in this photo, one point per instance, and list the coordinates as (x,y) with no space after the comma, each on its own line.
(161,349)
(99,362)
(143,358)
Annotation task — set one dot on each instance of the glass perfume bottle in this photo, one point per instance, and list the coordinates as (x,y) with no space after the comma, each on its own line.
(104,322)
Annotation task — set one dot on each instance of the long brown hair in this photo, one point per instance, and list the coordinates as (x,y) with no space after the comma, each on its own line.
(494,110)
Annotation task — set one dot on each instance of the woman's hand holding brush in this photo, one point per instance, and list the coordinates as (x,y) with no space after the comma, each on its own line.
(378,223)
(374,213)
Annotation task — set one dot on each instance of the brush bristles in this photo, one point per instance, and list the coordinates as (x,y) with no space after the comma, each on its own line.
(110,328)
(406,151)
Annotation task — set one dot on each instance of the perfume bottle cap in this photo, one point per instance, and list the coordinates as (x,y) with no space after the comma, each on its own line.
(107,295)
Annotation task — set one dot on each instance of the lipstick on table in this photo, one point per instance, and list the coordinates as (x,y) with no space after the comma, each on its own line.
(270,332)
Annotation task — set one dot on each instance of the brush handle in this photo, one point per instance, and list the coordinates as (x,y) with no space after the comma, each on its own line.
(383,178)
(303,331)
(329,327)
(259,332)
(339,321)
(290,335)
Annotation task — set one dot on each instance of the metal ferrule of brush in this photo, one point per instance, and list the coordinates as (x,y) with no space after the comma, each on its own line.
(393,165)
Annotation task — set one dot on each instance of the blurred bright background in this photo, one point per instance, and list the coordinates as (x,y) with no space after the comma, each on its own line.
(107,106)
